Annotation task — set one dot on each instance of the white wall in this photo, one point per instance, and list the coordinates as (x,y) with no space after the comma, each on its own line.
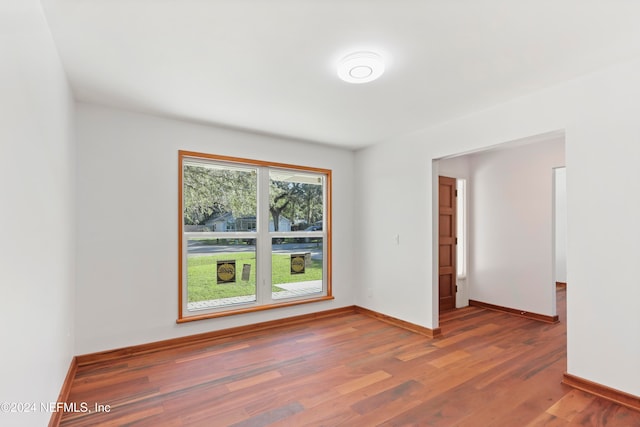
(598,113)
(560,224)
(392,201)
(455,167)
(128,223)
(511,226)
(37,214)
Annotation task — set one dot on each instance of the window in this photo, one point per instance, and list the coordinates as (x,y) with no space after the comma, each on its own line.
(253,235)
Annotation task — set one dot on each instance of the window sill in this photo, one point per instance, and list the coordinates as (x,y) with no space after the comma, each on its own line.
(251,309)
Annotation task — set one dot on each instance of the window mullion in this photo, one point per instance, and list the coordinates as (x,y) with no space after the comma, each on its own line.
(263,280)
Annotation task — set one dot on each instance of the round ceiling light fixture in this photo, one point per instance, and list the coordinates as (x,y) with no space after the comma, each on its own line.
(360,67)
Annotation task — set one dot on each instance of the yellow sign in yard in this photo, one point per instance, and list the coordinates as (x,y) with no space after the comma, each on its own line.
(297,264)
(226,271)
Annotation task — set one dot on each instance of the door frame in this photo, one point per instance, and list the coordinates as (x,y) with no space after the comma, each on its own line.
(554,232)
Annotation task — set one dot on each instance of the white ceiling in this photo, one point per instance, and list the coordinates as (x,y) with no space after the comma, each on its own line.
(269,65)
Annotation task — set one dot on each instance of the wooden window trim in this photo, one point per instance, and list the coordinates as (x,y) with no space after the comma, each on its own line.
(182,155)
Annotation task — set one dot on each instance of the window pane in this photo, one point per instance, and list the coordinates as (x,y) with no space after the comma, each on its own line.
(296,267)
(219,198)
(220,272)
(296,201)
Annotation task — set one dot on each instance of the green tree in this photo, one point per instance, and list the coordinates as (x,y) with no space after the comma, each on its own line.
(283,195)
(215,191)
(313,203)
(299,200)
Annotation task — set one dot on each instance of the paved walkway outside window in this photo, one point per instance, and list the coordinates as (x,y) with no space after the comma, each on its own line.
(291,290)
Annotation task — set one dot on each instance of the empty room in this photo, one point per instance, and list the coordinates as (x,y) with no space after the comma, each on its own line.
(251,213)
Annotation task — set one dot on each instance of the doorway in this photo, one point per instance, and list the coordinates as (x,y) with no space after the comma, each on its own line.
(509,245)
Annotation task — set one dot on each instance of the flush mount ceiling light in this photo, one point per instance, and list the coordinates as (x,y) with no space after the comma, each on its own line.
(360,67)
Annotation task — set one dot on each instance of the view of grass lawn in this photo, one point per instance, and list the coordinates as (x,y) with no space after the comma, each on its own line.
(201,275)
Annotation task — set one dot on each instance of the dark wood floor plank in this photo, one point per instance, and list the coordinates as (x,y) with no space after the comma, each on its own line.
(488,369)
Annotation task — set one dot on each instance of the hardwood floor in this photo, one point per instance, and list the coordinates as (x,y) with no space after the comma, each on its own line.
(488,369)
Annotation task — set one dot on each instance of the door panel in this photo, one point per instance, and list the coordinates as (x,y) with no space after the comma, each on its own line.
(445,256)
(447,243)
